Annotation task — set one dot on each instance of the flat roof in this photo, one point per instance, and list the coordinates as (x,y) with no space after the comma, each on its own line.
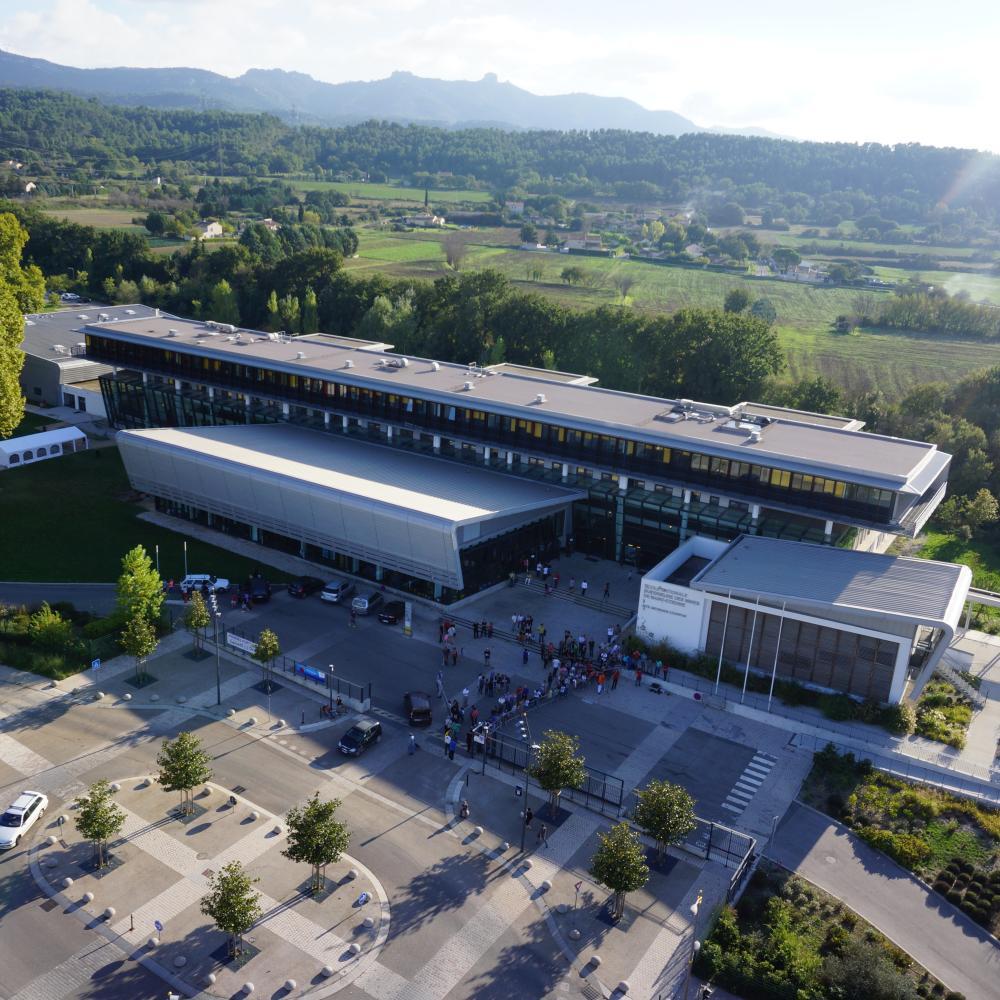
(877,585)
(798,444)
(62,327)
(433,487)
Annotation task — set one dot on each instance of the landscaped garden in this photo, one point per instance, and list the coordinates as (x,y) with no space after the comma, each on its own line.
(788,940)
(951,842)
(943,714)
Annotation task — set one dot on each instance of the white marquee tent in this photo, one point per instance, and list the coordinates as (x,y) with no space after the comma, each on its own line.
(30,448)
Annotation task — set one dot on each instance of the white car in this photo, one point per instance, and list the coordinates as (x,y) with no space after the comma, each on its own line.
(19,818)
(193,581)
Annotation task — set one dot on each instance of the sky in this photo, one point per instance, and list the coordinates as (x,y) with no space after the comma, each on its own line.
(858,70)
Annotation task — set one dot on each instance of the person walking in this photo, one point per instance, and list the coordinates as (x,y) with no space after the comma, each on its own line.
(583,588)
(465,697)
(486,656)
(600,683)
(447,740)
(482,683)
(468,742)
(528,817)
(524,656)
(452,745)
(475,630)
(607,591)
(638,676)
(411,747)
(543,835)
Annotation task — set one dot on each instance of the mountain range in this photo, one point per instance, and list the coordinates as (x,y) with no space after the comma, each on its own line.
(402,97)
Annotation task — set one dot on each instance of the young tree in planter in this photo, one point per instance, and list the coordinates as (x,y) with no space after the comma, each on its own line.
(665,812)
(183,767)
(139,641)
(233,903)
(620,864)
(98,819)
(140,589)
(267,649)
(316,837)
(196,618)
(557,766)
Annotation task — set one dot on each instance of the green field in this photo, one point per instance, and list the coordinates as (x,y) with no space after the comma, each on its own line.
(100,218)
(388,192)
(981,287)
(832,248)
(81,532)
(891,362)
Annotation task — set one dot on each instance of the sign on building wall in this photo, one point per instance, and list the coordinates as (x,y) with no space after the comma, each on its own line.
(670,613)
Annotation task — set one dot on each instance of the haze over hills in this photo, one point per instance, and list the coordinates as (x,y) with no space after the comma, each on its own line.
(400,97)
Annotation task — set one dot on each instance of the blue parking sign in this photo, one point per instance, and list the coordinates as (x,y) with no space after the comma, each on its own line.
(95,664)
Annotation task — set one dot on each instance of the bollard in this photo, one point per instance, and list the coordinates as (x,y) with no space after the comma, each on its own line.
(526,864)
(50,840)
(230,712)
(248,988)
(153,942)
(88,897)
(352,874)
(252,720)
(209,980)
(115,787)
(109,913)
(67,882)
(327,971)
(546,885)
(354,948)
(254,814)
(369,922)
(127,696)
(595,959)
(290,984)
(574,935)
(478,831)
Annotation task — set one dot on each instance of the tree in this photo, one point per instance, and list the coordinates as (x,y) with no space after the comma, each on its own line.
(289,310)
(454,250)
(737,299)
(98,818)
(866,308)
(620,864)
(139,641)
(764,309)
(222,306)
(529,233)
(786,257)
(183,767)
(557,766)
(155,223)
(665,812)
(310,312)
(264,653)
(233,903)
(316,837)
(140,589)
(624,283)
(196,617)
(573,275)
(273,321)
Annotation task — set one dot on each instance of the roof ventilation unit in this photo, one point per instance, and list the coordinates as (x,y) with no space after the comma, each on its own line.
(300,355)
(211,324)
(435,366)
(540,398)
(468,386)
(103,317)
(403,363)
(82,345)
(83,316)
(129,312)
(171,333)
(754,436)
(59,348)
(348,363)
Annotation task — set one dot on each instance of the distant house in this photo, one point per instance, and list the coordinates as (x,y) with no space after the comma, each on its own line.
(209,231)
(694,250)
(585,243)
(423,221)
(271,225)
(515,207)
(29,187)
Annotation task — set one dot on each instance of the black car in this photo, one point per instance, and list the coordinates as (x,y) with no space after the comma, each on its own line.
(417,708)
(392,613)
(303,586)
(260,589)
(360,737)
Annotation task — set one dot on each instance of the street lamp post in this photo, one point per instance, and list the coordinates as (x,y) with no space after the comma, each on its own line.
(525,730)
(218,672)
(695,943)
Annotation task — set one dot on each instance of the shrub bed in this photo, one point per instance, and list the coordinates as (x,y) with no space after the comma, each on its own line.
(789,940)
(943,714)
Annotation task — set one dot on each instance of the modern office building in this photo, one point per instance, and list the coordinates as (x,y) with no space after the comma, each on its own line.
(438,478)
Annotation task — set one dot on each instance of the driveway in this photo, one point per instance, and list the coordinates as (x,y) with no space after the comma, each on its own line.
(941,938)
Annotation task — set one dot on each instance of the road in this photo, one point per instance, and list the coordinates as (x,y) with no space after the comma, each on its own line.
(942,939)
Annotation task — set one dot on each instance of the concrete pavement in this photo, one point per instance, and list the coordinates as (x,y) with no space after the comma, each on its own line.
(941,938)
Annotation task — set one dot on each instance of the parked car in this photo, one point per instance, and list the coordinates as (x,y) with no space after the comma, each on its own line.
(260,589)
(417,708)
(193,581)
(303,586)
(392,613)
(20,817)
(366,603)
(360,737)
(336,590)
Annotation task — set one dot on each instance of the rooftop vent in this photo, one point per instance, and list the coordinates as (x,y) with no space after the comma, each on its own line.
(348,363)
(211,324)
(82,344)
(468,386)
(403,363)
(129,312)
(59,348)
(671,417)
(300,355)
(754,436)
(435,366)
(275,337)
(83,316)
(156,313)
(540,398)
(103,317)
(171,333)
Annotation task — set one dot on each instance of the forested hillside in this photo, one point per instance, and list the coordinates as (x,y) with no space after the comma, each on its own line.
(60,136)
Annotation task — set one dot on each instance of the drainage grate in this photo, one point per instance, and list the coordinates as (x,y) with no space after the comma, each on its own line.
(208,872)
(238,790)
(591,993)
(49,904)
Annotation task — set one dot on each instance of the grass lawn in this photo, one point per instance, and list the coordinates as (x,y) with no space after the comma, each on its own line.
(389,192)
(32,423)
(981,287)
(890,361)
(70,522)
(981,555)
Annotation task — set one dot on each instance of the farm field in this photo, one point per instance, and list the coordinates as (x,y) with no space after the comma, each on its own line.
(100,218)
(981,287)
(889,361)
(388,192)
(831,248)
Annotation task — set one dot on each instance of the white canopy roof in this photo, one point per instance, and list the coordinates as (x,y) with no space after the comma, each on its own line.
(60,435)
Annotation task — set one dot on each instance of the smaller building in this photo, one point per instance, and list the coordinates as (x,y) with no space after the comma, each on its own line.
(31,448)
(836,619)
(424,221)
(514,207)
(209,231)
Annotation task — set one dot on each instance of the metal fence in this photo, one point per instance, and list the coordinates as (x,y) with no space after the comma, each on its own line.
(320,680)
(600,792)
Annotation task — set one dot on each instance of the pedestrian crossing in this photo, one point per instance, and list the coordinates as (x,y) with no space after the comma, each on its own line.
(748,782)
